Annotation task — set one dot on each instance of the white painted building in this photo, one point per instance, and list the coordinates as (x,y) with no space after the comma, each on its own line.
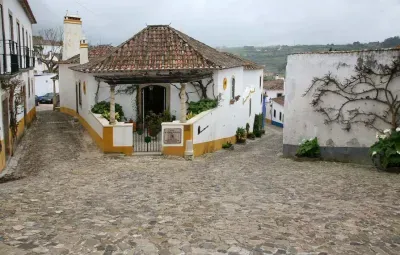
(275,111)
(16,62)
(338,140)
(273,89)
(44,84)
(157,73)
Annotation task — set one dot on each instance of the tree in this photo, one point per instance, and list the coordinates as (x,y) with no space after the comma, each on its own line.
(48,46)
(391,42)
(356,99)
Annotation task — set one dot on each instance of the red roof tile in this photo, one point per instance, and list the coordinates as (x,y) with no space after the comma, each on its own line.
(160,47)
(274,85)
(279,100)
(95,52)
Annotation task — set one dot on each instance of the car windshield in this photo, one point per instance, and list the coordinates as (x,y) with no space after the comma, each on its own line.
(48,95)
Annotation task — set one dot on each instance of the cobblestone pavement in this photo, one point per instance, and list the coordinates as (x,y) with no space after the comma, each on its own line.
(246,201)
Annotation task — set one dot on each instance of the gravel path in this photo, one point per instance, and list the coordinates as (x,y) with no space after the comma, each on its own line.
(246,201)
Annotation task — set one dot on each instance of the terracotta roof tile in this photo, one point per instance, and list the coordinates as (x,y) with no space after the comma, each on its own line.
(160,47)
(274,85)
(95,52)
(279,100)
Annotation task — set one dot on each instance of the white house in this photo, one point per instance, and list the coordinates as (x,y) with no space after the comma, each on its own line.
(16,63)
(275,111)
(159,69)
(340,98)
(273,89)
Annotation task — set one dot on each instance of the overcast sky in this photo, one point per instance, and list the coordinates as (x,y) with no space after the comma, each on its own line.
(231,22)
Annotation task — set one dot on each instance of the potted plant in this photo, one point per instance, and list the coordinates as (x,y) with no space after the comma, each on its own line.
(153,123)
(385,153)
(240,135)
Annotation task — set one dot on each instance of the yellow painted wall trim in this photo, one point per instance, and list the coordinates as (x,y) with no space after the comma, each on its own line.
(105,143)
(211,146)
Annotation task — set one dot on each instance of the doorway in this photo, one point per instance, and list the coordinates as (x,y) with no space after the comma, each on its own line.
(6,128)
(154,99)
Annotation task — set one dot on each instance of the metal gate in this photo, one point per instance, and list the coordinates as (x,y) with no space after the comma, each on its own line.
(144,139)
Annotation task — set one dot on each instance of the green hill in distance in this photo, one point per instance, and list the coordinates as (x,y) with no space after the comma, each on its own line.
(273,58)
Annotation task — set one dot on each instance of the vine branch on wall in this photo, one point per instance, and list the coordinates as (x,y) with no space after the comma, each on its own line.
(372,83)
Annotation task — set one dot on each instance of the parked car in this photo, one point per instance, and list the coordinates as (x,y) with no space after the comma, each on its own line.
(36,100)
(46,98)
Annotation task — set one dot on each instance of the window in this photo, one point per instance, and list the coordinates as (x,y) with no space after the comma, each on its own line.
(250,107)
(32,86)
(279,95)
(29,88)
(10,17)
(80,94)
(261,97)
(260,81)
(19,43)
(280,116)
(233,88)
(274,113)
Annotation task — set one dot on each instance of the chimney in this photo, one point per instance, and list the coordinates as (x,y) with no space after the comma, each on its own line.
(72,36)
(84,51)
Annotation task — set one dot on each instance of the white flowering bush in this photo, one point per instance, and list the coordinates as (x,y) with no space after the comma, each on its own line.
(309,148)
(385,152)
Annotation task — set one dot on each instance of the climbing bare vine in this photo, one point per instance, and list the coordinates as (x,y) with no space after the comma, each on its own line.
(368,97)
(16,101)
(200,88)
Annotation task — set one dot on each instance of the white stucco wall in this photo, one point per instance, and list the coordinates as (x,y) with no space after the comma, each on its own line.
(71,41)
(272,94)
(301,120)
(223,121)
(44,84)
(67,87)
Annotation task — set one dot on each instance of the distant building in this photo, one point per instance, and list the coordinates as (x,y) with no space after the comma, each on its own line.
(275,111)
(273,89)
(47,49)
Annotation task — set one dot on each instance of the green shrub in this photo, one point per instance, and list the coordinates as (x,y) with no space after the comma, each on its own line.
(226,145)
(241,135)
(386,151)
(202,105)
(153,122)
(258,133)
(106,115)
(258,118)
(251,136)
(309,149)
(103,106)
(247,128)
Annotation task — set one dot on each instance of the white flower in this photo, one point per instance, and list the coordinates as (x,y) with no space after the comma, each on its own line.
(398,129)
(310,139)
(398,152)
(382,136)
(377,135)
(373,153)
(387,131)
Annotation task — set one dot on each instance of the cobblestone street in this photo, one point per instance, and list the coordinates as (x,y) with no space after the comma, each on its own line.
(76,200)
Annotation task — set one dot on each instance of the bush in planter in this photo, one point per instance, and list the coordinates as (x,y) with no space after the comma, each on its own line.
(251,136)
(103,106)
(106,115)
(309,149)
(202,105)
(257,133)
(385,153)
(241,135)
(153,122)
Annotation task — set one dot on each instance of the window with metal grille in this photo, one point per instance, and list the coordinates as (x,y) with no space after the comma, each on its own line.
(233,88)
